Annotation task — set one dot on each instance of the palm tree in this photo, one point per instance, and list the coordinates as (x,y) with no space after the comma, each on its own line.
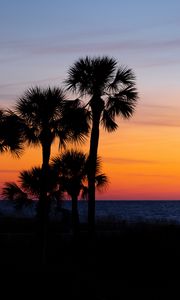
(48,116)
(72,167)
(29,184)
(11,133)
(30,181)
(110,91)
(12,192)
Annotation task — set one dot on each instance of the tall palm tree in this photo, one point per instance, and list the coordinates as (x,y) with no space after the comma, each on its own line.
(11,133)
(48,116)
(110,91)
(72,167)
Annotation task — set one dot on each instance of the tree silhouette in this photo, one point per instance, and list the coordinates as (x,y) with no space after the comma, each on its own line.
(30,181)
(11,133)
(110,91)
(72,168)
(29,185)
(47,115)
(67,174)
(11,191)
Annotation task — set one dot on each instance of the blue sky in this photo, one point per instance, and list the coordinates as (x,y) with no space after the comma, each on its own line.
(41,39)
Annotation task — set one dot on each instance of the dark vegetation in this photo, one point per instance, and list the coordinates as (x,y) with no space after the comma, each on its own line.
(122,250)
(120,258)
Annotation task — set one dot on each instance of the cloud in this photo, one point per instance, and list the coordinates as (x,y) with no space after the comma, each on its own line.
(157,123)
(150,175)
(50,46)
(105,46)
(159,106)
(119,160)
(31,82)
(160,63)
(157,115)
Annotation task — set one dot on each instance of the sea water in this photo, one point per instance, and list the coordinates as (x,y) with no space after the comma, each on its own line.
(112,210)
(132,210)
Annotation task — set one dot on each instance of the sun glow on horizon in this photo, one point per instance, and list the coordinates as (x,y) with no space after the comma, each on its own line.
(141,160)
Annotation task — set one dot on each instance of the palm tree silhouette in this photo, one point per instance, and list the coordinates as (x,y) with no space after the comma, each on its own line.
(48,116)
(30,181)
(29,185)
(12,192)
(110,91)
(72,167)
(11,133)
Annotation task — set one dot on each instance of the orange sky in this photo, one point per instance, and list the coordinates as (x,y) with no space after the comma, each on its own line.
(141,158)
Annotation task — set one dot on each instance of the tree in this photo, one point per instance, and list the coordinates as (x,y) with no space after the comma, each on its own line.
(12,139)
(11,133)
(29,185)
(12,192)
(47,115)
(72,167)
(110,91)
(30,181)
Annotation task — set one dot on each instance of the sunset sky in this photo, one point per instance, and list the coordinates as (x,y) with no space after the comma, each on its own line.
(39,41)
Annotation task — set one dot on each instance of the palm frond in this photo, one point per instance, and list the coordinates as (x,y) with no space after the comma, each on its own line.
(101,182)
(70,163)
(40,109)
(38,104)
(88,75)
(31,135)
(123,77)
(30,180)
(73,167)
(123,103)
(107,121)
(75,122)
(11,191)
(11,133)
(27,105)
(47,115)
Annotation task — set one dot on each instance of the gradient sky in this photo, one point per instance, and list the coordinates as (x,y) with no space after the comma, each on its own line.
(39,40)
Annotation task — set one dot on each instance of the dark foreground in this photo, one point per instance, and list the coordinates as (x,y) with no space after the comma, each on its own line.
(120,256)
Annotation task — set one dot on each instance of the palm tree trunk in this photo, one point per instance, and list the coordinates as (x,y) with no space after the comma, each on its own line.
(94,140)
(43,204)
(43,207)
(75,215)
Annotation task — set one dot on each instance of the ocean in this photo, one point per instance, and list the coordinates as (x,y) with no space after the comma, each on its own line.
(133,211)
(114,210)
